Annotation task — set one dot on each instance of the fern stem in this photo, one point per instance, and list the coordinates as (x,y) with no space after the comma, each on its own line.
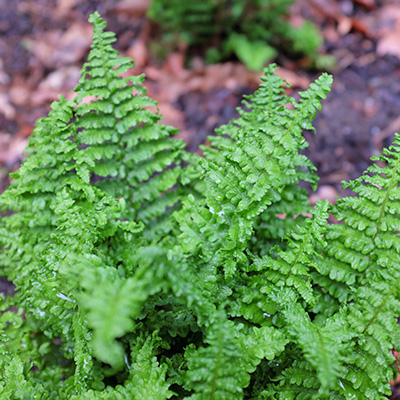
(299,253)
(217,367)
(378,310)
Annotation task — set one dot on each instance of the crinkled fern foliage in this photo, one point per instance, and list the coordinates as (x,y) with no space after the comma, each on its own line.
(141,277)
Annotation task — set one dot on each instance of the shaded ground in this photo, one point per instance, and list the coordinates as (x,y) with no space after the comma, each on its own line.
(364,101)
(43,44)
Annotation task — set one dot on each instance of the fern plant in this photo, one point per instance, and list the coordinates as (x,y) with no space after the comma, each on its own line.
(143,272)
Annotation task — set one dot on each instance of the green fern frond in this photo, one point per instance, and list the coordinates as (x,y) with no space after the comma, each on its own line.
(47,170)
(364,252)
(324,347)
(296,382)
(14,377)
(291,267)
(258,344)
(147,377)
(247,172)
(83,354)
(207,374)
(120,137)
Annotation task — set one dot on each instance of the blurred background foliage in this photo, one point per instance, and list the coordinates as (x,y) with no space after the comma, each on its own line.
(251,30)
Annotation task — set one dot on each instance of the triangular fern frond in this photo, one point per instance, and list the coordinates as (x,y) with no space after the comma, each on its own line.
(248,171)
(365,252)
(120,137)
(47,170)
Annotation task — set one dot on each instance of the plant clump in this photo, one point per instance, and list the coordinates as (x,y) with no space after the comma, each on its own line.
(144,272)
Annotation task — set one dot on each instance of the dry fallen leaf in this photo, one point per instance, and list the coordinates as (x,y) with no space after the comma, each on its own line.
(324,192)
(369,4)
(134,8)
(11,148)
(171,115)
(294,79)
(323,8)
(20,94)
(389,31)
(65,77)
(389,44)
(44,97)
(6,108)
(394,126)
(74,44)
(64,7)
(139,53)
(55,49)
(174,64)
